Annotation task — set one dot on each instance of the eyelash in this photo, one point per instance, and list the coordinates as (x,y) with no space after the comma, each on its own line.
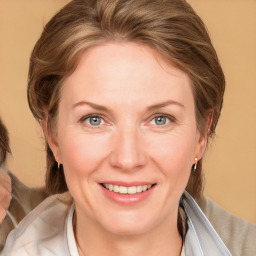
(170,118)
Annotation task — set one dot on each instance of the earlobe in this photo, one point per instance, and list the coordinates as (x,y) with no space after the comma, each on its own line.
(51,138)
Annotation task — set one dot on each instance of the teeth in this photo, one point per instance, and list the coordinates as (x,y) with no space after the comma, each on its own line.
(116,188)
(139,189)
(132,190)
(123,190)
(127,190)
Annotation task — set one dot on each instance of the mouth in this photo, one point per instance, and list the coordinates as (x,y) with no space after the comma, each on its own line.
(131,190)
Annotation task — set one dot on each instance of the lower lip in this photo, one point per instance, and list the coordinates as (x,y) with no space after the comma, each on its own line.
(127,199)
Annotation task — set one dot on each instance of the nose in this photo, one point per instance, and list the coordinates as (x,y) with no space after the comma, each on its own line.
(129,151)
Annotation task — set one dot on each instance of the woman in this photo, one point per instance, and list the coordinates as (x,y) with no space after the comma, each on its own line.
(128,94)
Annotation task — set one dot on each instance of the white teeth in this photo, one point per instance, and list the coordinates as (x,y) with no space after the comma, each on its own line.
(139,189)
(132,190)
(123,190)
(144,188)
(127,190)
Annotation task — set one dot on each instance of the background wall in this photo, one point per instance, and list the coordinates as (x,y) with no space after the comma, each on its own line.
(230,163)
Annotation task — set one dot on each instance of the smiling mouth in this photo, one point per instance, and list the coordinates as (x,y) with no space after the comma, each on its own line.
(127,190)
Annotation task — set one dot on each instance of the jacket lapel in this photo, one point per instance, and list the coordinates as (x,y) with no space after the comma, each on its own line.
(201,238)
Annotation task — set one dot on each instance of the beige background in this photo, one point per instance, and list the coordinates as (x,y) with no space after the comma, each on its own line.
(230,165)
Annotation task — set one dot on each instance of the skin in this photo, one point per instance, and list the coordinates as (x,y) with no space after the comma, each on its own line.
(128,145)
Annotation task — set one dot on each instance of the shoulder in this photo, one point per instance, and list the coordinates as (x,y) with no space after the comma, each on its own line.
(238,235)
(24,199)
(41,229)
(27,197)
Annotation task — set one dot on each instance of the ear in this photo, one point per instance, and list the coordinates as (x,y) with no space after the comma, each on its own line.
(51,138)
(202,137)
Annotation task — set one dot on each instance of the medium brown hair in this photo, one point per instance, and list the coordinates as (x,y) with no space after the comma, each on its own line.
(170,26)
(4,143)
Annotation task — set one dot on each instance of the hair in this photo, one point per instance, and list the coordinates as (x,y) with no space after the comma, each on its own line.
(169,26)
(4,143)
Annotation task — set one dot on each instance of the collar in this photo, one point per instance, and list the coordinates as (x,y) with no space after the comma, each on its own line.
(73,250)
(201,238)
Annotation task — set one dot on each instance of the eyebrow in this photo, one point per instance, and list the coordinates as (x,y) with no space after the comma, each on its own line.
(149,108)
(164,104)
(92,105)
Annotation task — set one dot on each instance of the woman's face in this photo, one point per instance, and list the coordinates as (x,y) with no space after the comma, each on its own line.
(127,138)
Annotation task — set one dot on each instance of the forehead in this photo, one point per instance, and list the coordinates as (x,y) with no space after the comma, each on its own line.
(127,71)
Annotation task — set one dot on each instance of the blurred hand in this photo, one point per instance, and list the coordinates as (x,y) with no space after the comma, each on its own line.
(5,194)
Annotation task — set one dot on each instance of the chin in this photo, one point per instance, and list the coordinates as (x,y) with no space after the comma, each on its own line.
(129,223)
(128,230)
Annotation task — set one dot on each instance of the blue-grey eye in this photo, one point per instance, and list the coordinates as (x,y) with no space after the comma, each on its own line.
(94,120)
(160,120)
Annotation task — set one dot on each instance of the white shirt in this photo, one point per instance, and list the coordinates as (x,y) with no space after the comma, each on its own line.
(183,251)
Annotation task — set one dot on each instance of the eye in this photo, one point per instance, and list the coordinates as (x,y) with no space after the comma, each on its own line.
(94,120)
(160,120)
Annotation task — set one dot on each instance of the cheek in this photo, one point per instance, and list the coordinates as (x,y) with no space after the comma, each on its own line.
(82,154)
(173,155)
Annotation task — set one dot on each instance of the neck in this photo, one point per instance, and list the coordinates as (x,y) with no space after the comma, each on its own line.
(95,241)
